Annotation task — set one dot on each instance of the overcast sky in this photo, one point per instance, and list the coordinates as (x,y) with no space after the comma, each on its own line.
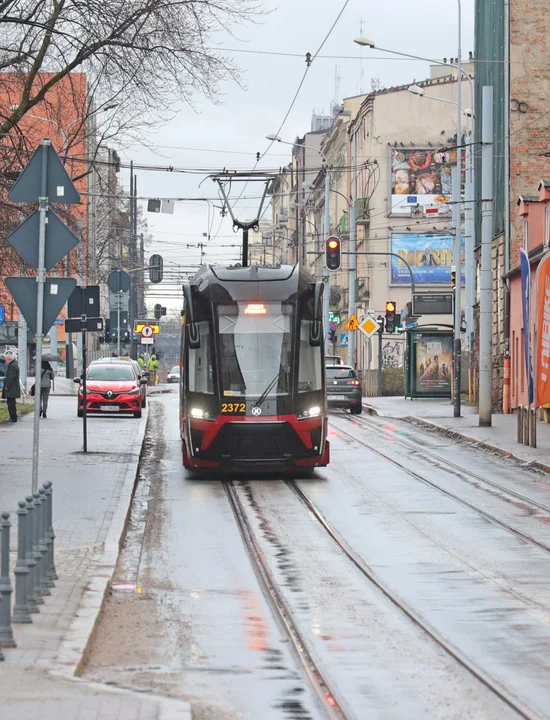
(229,134)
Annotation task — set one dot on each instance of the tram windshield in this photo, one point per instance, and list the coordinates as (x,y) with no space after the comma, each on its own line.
(255,348)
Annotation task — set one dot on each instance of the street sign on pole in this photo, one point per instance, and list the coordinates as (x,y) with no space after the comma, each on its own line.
(40,299)
(24,290)
(54,184)
(119,281)
(369,327)
(93,324)
(352,323)
(147,332)
(84,300)
(59,240)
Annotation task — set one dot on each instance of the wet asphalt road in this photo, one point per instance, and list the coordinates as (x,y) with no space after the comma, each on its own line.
(467,559)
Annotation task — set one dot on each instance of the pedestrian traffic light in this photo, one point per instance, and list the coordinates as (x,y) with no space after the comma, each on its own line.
(331,335)
(158,311)
(453,279)
(390,316)
(333,255)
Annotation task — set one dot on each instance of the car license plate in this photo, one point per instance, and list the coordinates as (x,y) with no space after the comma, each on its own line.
(336,397)
(109,408)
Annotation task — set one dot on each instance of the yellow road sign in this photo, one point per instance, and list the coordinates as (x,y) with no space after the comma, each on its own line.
(352,323)
(369,327)
(141,325)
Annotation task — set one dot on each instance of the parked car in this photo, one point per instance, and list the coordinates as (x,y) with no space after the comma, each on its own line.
(333,360)
(344,389)
(174,375)
(111,387)
(140,372)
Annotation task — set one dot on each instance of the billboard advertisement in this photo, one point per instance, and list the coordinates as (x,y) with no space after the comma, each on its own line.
(430,257)
(418,177)
(433,364)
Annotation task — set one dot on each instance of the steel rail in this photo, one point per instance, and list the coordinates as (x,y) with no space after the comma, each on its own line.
(319,683)
(514,703)
(455,466)
(456,498)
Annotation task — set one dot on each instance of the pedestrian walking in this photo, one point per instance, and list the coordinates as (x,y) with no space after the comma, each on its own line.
(11,390)
(141,362)
(152,366)
(46,380)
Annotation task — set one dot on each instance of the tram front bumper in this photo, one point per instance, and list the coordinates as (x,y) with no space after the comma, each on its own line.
(283,441)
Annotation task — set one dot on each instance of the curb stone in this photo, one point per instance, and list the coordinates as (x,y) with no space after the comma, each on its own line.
(455,435)
(75,646)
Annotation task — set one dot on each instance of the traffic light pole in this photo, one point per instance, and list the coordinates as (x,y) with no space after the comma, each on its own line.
(352,280)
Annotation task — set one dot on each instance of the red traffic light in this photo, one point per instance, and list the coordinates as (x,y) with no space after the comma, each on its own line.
(333,259)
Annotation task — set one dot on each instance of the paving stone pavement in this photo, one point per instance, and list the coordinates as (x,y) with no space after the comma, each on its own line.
(92,494)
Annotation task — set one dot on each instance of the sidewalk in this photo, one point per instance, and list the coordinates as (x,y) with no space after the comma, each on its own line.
(500,437)
(92,495)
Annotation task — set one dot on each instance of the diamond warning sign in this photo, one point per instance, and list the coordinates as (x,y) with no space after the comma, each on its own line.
(352,323)
(369,327)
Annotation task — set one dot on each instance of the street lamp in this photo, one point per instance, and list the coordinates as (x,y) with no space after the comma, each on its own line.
(273,137)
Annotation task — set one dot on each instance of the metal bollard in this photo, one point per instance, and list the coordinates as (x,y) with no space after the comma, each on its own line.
(37,502)
(52,575)
(526,425)
(533,417)
(44,587)
(6,633)
(29,554)
(21,608)
(520,424)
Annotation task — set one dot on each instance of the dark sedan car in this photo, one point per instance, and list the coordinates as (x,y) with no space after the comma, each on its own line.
(344,389)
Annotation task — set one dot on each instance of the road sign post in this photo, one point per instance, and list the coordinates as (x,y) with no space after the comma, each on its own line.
(84,325)
(40,300)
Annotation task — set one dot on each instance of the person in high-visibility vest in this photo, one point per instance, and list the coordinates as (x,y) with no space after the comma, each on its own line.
(141,362)
(152,367)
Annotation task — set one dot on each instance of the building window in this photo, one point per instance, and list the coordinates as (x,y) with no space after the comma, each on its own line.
(547,225)
(522,363)
(526,234)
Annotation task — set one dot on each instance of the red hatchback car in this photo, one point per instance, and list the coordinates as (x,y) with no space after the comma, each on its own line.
(112,388)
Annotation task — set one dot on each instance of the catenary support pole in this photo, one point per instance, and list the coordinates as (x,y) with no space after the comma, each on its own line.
(380,362)
(326,272)
(469,244)
(352,278)
(84,393)
(457,265)
(41,280)
(485,279)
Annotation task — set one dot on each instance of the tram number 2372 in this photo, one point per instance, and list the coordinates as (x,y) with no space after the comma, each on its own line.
(233,408)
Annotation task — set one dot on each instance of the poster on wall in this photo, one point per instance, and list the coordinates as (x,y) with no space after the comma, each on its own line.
(430,257)
(433,364)
(418,177)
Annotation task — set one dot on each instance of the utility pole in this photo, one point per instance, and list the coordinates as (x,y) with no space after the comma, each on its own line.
(352,275)
(485,278)
(326,273)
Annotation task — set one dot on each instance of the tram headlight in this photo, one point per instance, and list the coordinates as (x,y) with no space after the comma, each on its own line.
(312,412)
(198,413)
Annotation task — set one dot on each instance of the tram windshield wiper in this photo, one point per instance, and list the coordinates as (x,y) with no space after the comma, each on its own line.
(269,388)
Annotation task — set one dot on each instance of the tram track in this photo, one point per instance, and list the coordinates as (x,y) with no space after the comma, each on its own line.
(482,513)
(449,463)
(410,613)
(333,707)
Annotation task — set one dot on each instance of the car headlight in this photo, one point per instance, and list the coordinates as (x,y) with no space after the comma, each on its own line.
(135,391)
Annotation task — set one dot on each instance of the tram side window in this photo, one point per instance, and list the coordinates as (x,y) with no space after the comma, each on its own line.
(310,364)
(199,367)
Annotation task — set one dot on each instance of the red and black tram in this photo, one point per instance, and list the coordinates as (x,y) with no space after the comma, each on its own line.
(252,389)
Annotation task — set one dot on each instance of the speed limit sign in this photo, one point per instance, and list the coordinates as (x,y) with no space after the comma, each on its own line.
(147,332)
